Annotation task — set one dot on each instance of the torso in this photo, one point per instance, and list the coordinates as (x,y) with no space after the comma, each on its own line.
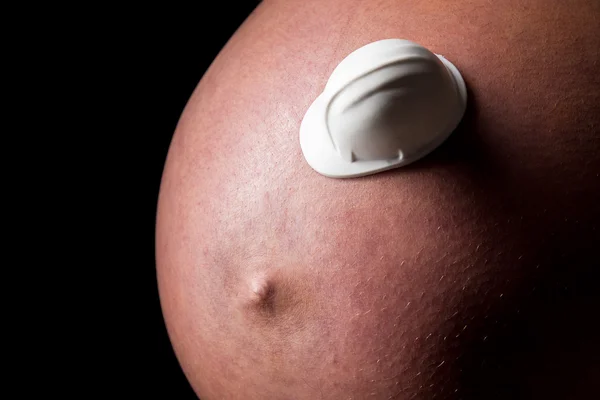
(436,279)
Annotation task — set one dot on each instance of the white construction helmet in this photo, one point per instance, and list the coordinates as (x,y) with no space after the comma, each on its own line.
(385,105)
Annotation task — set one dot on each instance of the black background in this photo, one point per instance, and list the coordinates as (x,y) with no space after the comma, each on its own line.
(96,91)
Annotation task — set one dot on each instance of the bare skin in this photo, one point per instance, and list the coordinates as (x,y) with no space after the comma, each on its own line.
(468,275)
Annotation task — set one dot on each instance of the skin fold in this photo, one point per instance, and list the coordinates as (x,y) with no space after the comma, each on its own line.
(471,274)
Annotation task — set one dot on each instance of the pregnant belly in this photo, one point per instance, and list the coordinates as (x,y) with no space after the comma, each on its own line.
(465,275)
